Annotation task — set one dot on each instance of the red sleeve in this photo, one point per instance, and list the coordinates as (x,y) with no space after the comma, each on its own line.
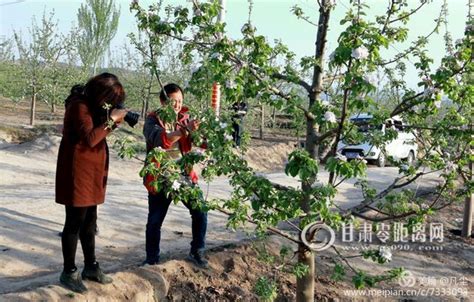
(203,145)
(84,125)
(166,142)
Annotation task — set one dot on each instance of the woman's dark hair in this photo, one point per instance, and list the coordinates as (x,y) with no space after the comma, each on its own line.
(169,88)
(104,88)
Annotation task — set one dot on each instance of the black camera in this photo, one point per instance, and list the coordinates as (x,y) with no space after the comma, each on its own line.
(131,117)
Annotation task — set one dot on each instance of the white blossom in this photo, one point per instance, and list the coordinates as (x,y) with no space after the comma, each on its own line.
(216,56)
(385,253)
(197,12)
(198,151)
(331,2)
(360,52)
(428,91)
(177,9)
(223,125)
(230,84)
(437,103)
(371,79)
(450,167)
(228,137)
(151,14)
(404,167)
(247,27)
(242,65)
(253,65)
(330,117)
(176,185)
(428,81)
(340,157)
(273,97)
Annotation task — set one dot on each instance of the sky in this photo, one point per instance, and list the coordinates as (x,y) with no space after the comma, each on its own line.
(272,19)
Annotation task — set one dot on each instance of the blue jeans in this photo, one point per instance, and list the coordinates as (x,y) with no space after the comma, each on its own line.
(157,208)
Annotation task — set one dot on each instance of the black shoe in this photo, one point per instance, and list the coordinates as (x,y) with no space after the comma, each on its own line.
(93,272)
(198,259)
(151,262)
(72,280)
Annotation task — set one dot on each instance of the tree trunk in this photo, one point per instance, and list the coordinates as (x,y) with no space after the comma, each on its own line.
(262,120)
(33,107)
(274,118)
(467,221)
(146,101)
(468,208)
(53,101)
(305,284)
(143,111)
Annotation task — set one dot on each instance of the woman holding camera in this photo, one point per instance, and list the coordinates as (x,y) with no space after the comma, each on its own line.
(82,168)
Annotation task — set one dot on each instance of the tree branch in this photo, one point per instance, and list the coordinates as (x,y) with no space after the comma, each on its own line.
(301,82)
(272,229)
(410,13)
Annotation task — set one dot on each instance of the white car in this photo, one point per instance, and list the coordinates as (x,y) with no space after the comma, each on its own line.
(403,147)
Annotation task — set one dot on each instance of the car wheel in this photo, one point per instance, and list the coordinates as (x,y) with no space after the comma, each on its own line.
(411,159)
(381,160)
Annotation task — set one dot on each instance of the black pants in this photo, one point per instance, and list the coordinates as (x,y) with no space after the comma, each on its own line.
(80,224)
(237,130)
(157,208)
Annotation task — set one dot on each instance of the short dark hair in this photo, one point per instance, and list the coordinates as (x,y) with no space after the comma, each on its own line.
(169,88)
(104,88)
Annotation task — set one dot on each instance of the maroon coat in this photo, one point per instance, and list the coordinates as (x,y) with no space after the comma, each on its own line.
(83,159)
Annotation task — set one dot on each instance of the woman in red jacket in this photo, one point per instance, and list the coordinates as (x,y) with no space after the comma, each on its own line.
(81,173)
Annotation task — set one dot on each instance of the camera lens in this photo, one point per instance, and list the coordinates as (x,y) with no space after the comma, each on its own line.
(132,118)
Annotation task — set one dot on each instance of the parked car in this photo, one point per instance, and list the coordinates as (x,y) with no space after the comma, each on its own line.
(403,147)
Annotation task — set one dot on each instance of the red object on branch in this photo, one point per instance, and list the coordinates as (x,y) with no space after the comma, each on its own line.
(216,97)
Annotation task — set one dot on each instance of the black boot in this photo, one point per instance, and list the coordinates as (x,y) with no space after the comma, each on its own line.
(93,272)
(72,280)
